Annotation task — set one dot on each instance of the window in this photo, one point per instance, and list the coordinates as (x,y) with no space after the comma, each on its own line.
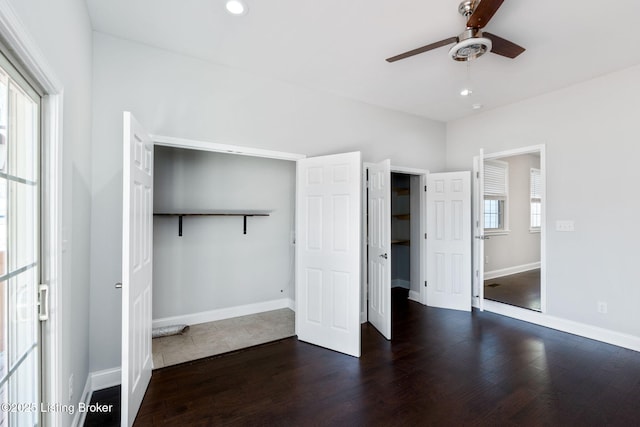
(496,195)
(535,185)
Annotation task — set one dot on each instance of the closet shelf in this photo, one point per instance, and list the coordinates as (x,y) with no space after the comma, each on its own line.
(401,216)
(401,191)
(242,213)
(401,242)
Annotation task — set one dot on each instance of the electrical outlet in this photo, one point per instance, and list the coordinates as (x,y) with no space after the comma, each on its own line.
(602,307)
(70,387)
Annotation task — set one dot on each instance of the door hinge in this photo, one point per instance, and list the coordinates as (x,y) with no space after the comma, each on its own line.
(425,188)
(477,174)
(425,236)
(43,302)
(425,283)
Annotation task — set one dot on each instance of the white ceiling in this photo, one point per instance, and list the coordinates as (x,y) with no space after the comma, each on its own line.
(340,46)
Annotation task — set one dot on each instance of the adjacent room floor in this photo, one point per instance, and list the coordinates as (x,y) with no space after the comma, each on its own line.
(223,336)
(521,290)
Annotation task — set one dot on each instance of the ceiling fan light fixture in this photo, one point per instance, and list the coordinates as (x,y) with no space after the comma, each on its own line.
(466,92)
(236,7)
(471,48)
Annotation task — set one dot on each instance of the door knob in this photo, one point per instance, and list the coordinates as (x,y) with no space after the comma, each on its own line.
(383,256)
(118,285)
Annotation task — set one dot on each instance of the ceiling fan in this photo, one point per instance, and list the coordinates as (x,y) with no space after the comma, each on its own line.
(472,42)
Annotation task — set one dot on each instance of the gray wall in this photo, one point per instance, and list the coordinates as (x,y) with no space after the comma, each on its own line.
(62,31)
(180,96)
(520,246)
(592,152)
(214,265)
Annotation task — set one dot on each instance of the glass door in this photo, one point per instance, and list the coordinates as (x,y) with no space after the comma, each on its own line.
(19,250)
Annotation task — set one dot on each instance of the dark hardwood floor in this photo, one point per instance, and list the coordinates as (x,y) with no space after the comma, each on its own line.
(521,289)
(443,367)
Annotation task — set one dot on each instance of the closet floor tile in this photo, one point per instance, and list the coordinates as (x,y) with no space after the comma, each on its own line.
(222,336)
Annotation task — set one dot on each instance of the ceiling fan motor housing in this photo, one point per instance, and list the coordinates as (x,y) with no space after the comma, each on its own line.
(471,45)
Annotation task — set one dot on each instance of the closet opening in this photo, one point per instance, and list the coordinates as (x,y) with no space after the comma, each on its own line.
(405,238)
(396,247)
(223,250)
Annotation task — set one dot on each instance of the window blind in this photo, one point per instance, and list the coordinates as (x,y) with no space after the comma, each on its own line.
(496,175)
(536,184)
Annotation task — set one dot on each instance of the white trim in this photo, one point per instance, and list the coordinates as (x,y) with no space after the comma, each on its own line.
(224,313)
(531,149)
(488,275)
(408,171)
(32,59)
(96,381)
(79,417)
(400,283)
(415,296)
(169,141)
(581,329)
(105,378)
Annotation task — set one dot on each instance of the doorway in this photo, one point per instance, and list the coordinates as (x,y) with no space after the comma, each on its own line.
(228,277)
(394,219)
(509,261)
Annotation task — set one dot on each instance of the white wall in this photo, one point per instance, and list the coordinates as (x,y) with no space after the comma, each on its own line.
(519,247)
(176,95)
(590,131)
(62,31)
(214,265)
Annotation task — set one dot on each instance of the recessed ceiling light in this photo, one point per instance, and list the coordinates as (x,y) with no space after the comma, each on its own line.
(466,92)
(477,106)
(236,7)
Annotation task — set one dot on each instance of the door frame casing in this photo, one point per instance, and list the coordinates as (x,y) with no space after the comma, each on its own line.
(541,149)
(422,173)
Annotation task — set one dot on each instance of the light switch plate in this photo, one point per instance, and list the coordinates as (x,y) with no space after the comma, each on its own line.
(565,225)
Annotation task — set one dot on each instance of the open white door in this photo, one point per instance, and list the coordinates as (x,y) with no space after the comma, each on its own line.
(379,227)
(328,205)
(449,240)
(137,235)
(478,232)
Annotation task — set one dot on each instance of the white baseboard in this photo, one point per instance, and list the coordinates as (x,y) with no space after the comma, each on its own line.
(400,283)
(225,313)
(78,419)
(488,275)
(96,381)
(105,378)
(576,328)
(414,296)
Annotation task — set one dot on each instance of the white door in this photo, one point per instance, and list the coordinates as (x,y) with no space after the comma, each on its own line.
(379,227)
(137,235)
(449,240)
(478,232)
(328,205)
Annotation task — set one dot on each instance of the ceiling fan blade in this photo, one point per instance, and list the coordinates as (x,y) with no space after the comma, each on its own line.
(483,13)
(423,49)
(503,47)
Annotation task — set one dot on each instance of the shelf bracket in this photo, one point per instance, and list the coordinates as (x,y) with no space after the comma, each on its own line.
(180,225)
(244,230)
